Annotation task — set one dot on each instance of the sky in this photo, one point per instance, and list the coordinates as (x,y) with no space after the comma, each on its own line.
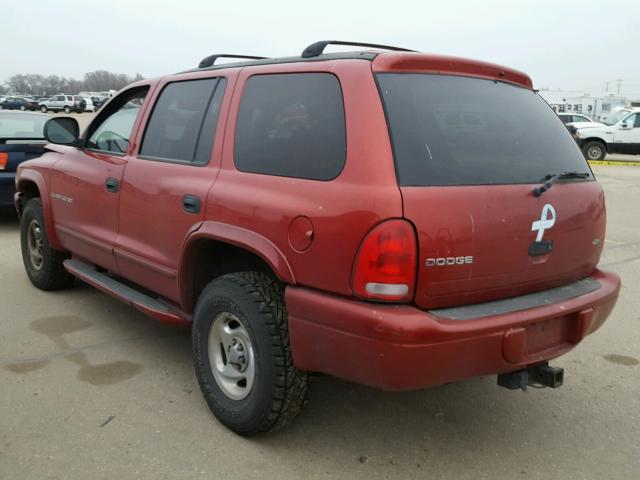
(568,45)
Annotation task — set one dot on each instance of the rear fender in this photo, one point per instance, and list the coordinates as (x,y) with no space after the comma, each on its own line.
(233,235)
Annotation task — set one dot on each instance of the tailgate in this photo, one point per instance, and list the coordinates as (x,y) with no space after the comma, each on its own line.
(477,248)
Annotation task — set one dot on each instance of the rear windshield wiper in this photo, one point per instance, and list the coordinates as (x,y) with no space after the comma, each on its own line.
(554,177)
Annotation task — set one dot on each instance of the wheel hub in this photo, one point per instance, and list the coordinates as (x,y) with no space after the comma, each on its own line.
(231,356)
(35,244)
(236,355)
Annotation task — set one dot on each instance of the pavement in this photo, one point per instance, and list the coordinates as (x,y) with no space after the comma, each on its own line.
(91,388)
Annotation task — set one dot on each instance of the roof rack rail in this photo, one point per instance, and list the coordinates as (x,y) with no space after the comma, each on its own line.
(316,49)
(211,59)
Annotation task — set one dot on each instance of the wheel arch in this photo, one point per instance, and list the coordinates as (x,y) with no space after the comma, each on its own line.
(595,139)
(216,249)
(31,184)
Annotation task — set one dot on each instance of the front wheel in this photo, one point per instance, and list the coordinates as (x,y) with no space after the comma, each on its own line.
(43,109)
(22,108)
(594,150)
(242,354)
(42,263)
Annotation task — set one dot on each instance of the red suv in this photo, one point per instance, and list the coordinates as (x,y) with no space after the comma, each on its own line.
(393,218)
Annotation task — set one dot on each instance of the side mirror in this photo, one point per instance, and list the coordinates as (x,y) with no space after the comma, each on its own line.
(625,126)
(62,131)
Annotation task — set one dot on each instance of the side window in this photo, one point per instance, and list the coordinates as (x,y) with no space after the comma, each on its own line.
(633,121)
(291,125)
(111,132)
(60,98)
(183,122)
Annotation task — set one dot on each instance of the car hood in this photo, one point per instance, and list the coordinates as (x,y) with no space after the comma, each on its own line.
(581,125)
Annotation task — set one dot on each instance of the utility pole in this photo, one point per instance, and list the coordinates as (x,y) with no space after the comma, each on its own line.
(619,80)
(606,87)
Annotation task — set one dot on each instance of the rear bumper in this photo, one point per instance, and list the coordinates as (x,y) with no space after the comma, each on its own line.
(399,347)
(7,188)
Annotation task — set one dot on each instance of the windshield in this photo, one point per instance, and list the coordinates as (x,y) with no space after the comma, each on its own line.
(616,117)
(451,130)
(22,125)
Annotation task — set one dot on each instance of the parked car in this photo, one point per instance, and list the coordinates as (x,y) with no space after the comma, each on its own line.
(89,107)
(65,103)
(18,103)
(21,138)
(580,121)
(392,218)
(98,102)
(619,134)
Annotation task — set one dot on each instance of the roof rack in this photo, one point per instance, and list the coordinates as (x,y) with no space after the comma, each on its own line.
(211,59)
(316,49)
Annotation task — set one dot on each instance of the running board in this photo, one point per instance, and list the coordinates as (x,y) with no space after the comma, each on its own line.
(138,300)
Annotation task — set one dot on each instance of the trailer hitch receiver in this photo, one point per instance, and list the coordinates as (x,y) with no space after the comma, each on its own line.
(542,375)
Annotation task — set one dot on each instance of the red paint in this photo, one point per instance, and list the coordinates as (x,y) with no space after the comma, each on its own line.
(399,347)
(309,233)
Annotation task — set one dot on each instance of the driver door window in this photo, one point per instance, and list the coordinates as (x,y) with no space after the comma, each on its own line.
(112,132)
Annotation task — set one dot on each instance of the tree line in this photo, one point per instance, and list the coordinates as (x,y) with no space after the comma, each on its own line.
(35,84)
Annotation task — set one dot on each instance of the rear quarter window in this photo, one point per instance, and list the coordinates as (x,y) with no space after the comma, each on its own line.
(291,125)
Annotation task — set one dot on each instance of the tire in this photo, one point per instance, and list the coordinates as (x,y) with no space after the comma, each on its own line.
(43,109)
(22,108)
(249,305)
(48,273)
(67,109)
(594,150)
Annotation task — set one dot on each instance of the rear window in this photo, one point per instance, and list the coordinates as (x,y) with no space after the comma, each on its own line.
(292,125)
(449,130)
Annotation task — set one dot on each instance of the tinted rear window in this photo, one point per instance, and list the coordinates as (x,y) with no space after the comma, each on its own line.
(292,125)
(449,130)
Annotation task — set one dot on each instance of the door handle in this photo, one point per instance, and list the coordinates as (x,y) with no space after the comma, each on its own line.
(112,184)
(191,204)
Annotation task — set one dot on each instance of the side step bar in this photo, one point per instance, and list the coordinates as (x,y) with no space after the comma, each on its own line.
(138,300)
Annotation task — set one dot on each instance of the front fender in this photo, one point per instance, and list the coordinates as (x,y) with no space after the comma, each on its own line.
(233,235)
(26,176)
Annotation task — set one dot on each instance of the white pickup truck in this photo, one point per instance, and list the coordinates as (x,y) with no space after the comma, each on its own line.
(619,134)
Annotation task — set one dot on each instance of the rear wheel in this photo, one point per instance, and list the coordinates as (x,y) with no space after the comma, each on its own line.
(242,354)
(42,263)
(594,150)
(67,109)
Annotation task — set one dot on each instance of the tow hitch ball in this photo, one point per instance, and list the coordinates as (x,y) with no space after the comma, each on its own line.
(542,375)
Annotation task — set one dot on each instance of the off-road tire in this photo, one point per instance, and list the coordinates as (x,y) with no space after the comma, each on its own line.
(589,150)
(51,275)
(279,390)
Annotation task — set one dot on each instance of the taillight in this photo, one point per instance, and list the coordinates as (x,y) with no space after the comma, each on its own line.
(385,266)
(4,160)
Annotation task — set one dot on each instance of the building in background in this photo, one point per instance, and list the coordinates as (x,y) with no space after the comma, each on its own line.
(598,107)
